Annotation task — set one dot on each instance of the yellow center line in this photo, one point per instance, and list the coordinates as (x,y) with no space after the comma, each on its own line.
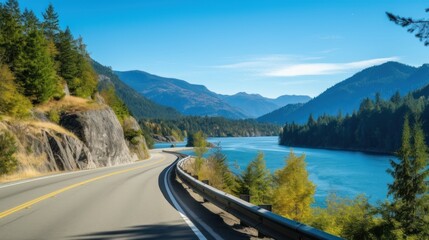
(52,194)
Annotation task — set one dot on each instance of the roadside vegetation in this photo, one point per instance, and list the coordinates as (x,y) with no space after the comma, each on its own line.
(291,193)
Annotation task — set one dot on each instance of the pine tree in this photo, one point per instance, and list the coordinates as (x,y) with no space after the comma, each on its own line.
(417,26)
(35,71)
(12,32)
(294,192)
(256,181)
(50,23)
(86,82)
(31,22)
(51,29)
(409,189)
(67,57)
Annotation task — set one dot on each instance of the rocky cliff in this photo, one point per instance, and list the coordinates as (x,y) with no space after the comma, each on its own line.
(44,147)
(101,132)
(88,135)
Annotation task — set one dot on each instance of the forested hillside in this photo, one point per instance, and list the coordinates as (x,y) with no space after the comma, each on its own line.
(375,127)
(211,126)
(139,106)
(39,61)
(189,99)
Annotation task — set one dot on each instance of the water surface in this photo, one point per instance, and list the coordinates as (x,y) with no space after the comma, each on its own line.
(345,173)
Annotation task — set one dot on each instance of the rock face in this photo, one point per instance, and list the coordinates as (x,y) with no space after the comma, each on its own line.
(135,140)
(101,132)
(46,149)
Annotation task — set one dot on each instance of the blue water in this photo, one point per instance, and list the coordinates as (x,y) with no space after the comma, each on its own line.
(345,173)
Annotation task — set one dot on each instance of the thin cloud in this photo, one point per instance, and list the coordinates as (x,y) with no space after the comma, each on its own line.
(314,69)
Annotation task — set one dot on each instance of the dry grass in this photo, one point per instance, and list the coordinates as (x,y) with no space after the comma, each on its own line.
(49,126)
(35,126)
(29,167)
(69,104)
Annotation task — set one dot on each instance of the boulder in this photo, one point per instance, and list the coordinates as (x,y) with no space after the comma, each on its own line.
(135,139)
(101,132)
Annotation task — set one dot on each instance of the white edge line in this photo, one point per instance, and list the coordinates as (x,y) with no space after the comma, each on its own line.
(19,182)
(179,208)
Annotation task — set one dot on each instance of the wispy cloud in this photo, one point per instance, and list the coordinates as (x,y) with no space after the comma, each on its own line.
(314,69)
(278,65)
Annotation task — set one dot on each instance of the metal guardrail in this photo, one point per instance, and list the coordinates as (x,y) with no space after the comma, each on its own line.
(266,222)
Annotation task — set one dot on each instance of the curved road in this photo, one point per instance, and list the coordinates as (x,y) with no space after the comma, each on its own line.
(125,202)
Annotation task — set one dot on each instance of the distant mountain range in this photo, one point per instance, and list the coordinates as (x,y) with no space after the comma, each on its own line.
(139,106)
(255,105)
(192,99)
(346,96)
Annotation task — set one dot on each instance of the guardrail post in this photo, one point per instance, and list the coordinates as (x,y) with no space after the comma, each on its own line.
(268,207)
(205,182)
(245,197)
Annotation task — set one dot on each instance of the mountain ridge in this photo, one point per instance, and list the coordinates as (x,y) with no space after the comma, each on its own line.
(345,96)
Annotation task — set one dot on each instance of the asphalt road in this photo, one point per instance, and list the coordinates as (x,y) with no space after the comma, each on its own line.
(124,202)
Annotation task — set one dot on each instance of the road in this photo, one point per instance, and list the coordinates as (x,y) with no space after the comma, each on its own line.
(125,202)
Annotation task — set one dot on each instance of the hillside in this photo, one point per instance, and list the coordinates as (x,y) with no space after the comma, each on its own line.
(373,128)
(139,106)
(255,105)
(278,116)
(346,96)
(189,99)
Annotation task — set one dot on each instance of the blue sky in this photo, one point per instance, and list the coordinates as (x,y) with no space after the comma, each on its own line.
(268,47)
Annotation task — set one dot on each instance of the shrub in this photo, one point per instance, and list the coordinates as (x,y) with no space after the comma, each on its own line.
(8,162)
(54,116)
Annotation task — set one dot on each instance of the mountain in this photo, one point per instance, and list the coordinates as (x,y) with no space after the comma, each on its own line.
(139,106)
(189,99)
(255,105)
(278,116)
(290,99)
(346,96)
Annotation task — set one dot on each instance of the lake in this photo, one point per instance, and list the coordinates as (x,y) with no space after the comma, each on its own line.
(345,173)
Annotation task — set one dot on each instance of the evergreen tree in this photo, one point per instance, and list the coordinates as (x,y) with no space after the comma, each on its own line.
(31,22)
(35,71)
(51,29)
(294,192)
(409,189)
(85,84)
(12,33)
(420,27)
(256,181)
(67,56)
(50,23)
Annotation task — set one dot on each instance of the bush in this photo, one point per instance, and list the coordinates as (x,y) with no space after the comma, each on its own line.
(8,163)
(54,116)
(11,101)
